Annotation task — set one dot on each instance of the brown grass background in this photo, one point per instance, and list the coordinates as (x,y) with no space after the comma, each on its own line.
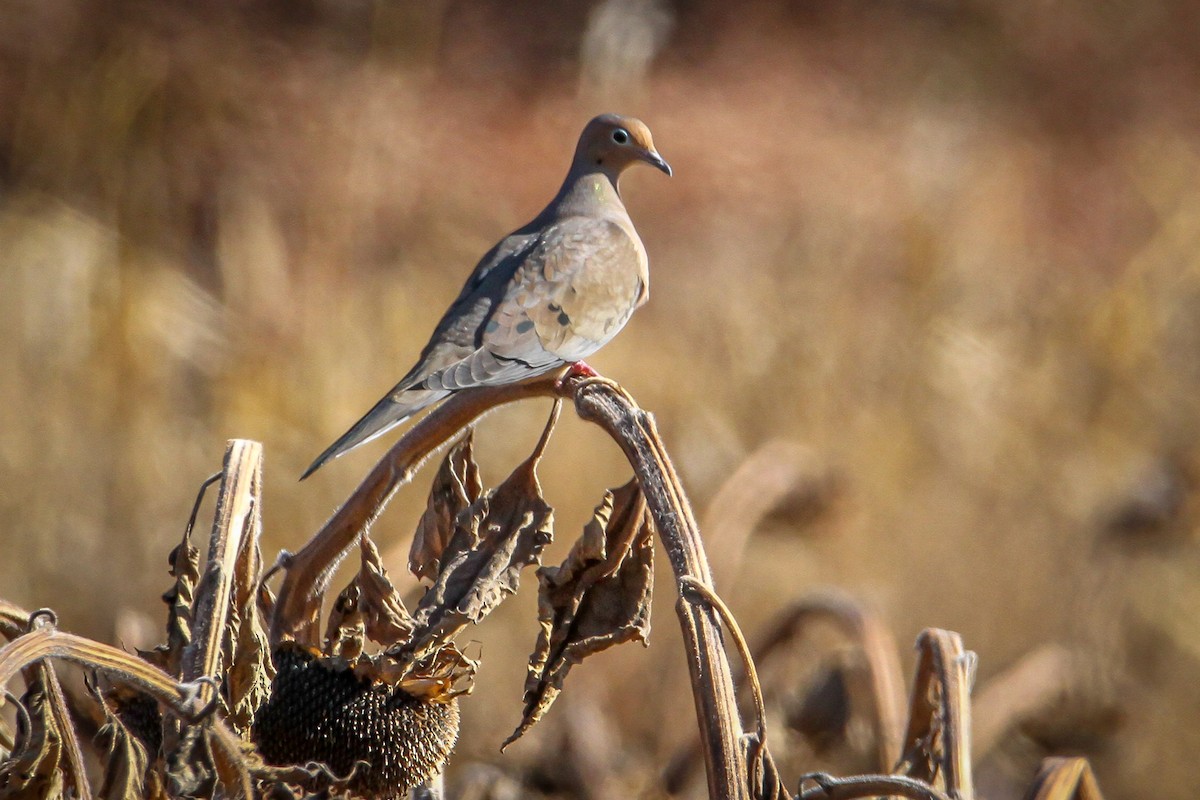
(949,247)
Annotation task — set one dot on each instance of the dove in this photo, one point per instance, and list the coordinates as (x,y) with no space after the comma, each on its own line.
(551,293)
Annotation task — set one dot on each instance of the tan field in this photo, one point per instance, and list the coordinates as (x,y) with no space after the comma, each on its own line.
(949,252)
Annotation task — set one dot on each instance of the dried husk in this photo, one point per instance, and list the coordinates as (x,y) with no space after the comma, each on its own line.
(598,597)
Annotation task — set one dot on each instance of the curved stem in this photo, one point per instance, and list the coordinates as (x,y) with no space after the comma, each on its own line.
(310,569)
(709,596)
(606,404)
(47,642)
(830,788)
(862,626)
(940,710)
(239,502)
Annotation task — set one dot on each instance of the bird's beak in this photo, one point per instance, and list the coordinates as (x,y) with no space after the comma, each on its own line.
(652,158)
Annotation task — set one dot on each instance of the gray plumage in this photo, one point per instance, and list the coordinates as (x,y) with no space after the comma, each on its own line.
(550,293)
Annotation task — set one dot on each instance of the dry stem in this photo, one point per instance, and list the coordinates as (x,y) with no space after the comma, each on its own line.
(238,506)
(938,739)
(310,569)
(14,623)
(45,641)
(1031,686)
(830,788)
(1065,779)
(610,407)
(606,404)
(879,650)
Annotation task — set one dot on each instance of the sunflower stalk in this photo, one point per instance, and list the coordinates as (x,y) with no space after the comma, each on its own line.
(45,641)
(607,405)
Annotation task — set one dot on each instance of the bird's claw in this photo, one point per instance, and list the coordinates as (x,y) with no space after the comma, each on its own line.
(576,371)
(580,369)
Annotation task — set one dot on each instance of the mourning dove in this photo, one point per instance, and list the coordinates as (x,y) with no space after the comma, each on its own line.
(550,293)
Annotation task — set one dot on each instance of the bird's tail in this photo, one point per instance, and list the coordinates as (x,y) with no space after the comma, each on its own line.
(387,414)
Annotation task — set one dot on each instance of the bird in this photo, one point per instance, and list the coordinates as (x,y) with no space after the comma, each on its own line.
(549,294)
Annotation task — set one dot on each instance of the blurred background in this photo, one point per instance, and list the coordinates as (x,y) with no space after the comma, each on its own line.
(947,250)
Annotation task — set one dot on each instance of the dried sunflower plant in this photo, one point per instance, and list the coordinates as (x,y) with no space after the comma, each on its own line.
(253,694)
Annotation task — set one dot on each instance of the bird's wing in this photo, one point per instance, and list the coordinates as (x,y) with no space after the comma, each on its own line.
(571,291)
(542,297)
(455,338)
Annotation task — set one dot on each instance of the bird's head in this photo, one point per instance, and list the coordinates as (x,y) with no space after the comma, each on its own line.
(612,143)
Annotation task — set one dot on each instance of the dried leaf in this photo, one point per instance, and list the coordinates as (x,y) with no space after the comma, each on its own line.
(265,599)
(312,780)
(123,756)
(139,713)
(185,569)
(188,768)
(304,626)
(345,631)
(34,767)
(456,486)
(73,765)
(598,597)
(496,537)
(250,672)
(248,677)
(387,620)
(368,608)
(307,630)
(443,674)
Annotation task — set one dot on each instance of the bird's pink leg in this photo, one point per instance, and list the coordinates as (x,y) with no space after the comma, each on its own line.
(578,369)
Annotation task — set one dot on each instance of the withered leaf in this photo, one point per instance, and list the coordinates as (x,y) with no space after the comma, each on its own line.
(307,630)
(250,672)
(124,757)
(455,487)
(34,768)
(188,769)
(387,620)
(368,608)
(266,598)
(443,674)
(248,677)
(211,760)
(185,569)
(312,780)
(497,536)
(345,631)
(598,597)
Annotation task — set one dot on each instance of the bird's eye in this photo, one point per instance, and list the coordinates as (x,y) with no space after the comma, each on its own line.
(620,136)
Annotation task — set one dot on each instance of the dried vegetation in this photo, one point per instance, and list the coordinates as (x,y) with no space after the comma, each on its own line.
(247,698)
(924,292)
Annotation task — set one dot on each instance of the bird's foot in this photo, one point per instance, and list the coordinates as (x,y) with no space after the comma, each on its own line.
(575,371)
(580,369)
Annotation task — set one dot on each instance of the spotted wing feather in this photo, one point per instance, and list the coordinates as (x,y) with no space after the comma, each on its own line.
(545,296)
